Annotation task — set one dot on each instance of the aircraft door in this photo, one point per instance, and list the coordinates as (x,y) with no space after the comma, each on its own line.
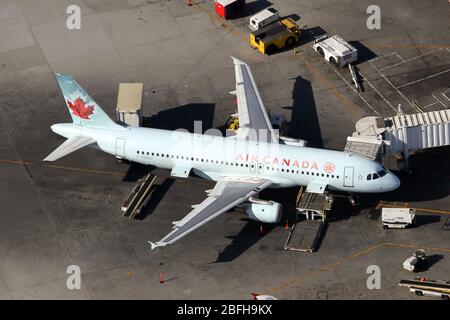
(348,176)
(120,147)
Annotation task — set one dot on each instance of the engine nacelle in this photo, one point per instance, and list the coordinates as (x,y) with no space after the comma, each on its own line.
(263,211)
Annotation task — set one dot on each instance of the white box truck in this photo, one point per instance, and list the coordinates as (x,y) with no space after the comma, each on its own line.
(335,50)
(263,18)
(397,217)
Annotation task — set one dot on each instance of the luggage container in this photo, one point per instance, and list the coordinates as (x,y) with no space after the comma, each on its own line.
(397,217)
(229,9)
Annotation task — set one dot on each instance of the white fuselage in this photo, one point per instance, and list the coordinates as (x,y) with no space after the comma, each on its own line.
(212,157)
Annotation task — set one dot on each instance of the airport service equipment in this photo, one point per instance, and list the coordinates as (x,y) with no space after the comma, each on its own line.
(129,100)
(397,217)
(264,18)
(229,9)
(416,262)
(428,287)
(275,36)
(335,50)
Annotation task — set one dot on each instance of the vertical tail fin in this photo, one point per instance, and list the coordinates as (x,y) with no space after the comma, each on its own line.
(82,108)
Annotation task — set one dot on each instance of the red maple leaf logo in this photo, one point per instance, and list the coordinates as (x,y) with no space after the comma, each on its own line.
(329,167)
(80,109)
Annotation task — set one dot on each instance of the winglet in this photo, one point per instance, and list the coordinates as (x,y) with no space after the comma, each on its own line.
(156,244)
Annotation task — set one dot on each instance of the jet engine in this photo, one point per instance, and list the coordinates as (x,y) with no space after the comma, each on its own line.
(263,211)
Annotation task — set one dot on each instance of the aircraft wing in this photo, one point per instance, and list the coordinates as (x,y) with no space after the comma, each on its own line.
(227,193)
(70,145)
(251,111)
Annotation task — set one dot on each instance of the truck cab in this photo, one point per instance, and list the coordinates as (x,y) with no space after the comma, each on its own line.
(275,36)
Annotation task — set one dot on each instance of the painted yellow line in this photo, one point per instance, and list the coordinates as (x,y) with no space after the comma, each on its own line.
(28,163)
(113,173)
(298,279)
(344,100)
(393,46)
(417,209)
(416,246)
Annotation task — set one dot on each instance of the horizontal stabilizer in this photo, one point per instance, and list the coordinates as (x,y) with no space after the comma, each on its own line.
(70,145)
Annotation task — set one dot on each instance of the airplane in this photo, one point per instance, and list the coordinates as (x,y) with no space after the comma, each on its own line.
(242,164)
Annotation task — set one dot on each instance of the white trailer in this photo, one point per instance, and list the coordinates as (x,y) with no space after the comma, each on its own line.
(335,50)
(263,18)
(397,217)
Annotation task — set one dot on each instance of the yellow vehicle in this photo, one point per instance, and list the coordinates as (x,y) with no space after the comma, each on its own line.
(275,36)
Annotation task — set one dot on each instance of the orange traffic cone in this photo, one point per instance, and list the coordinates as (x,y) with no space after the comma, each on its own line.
(161,278)
(286,226)
(189,2)
(254,295)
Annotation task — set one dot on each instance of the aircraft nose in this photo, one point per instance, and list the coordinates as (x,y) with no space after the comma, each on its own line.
(394,182)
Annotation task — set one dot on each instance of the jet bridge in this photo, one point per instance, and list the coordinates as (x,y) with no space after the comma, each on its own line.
(311,210)
(393,139)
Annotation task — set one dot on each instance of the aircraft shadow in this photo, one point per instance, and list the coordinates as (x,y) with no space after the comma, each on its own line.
(182,117)
(250,234)
(304,122)
(157,196)
(245,239)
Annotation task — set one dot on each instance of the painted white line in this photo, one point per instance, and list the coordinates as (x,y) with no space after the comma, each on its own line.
(411,59)
(395,88)
(400,57)
(355,91)
(387,55)
(426,107)
(423,79)
(443,93)
(439,100)
(378,92)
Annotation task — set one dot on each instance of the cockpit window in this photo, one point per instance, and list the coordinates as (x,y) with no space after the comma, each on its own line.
(382,173)
(369,176)
(375,176)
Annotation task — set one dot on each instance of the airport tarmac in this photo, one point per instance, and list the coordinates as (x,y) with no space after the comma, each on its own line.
(53,215)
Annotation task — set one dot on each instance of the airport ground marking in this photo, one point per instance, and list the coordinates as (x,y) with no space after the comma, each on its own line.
(111,173)
(423,79)
(410,59)
(395,46)
(394,87)
(28,163)
(298,279)
(356,91)
(418,209)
